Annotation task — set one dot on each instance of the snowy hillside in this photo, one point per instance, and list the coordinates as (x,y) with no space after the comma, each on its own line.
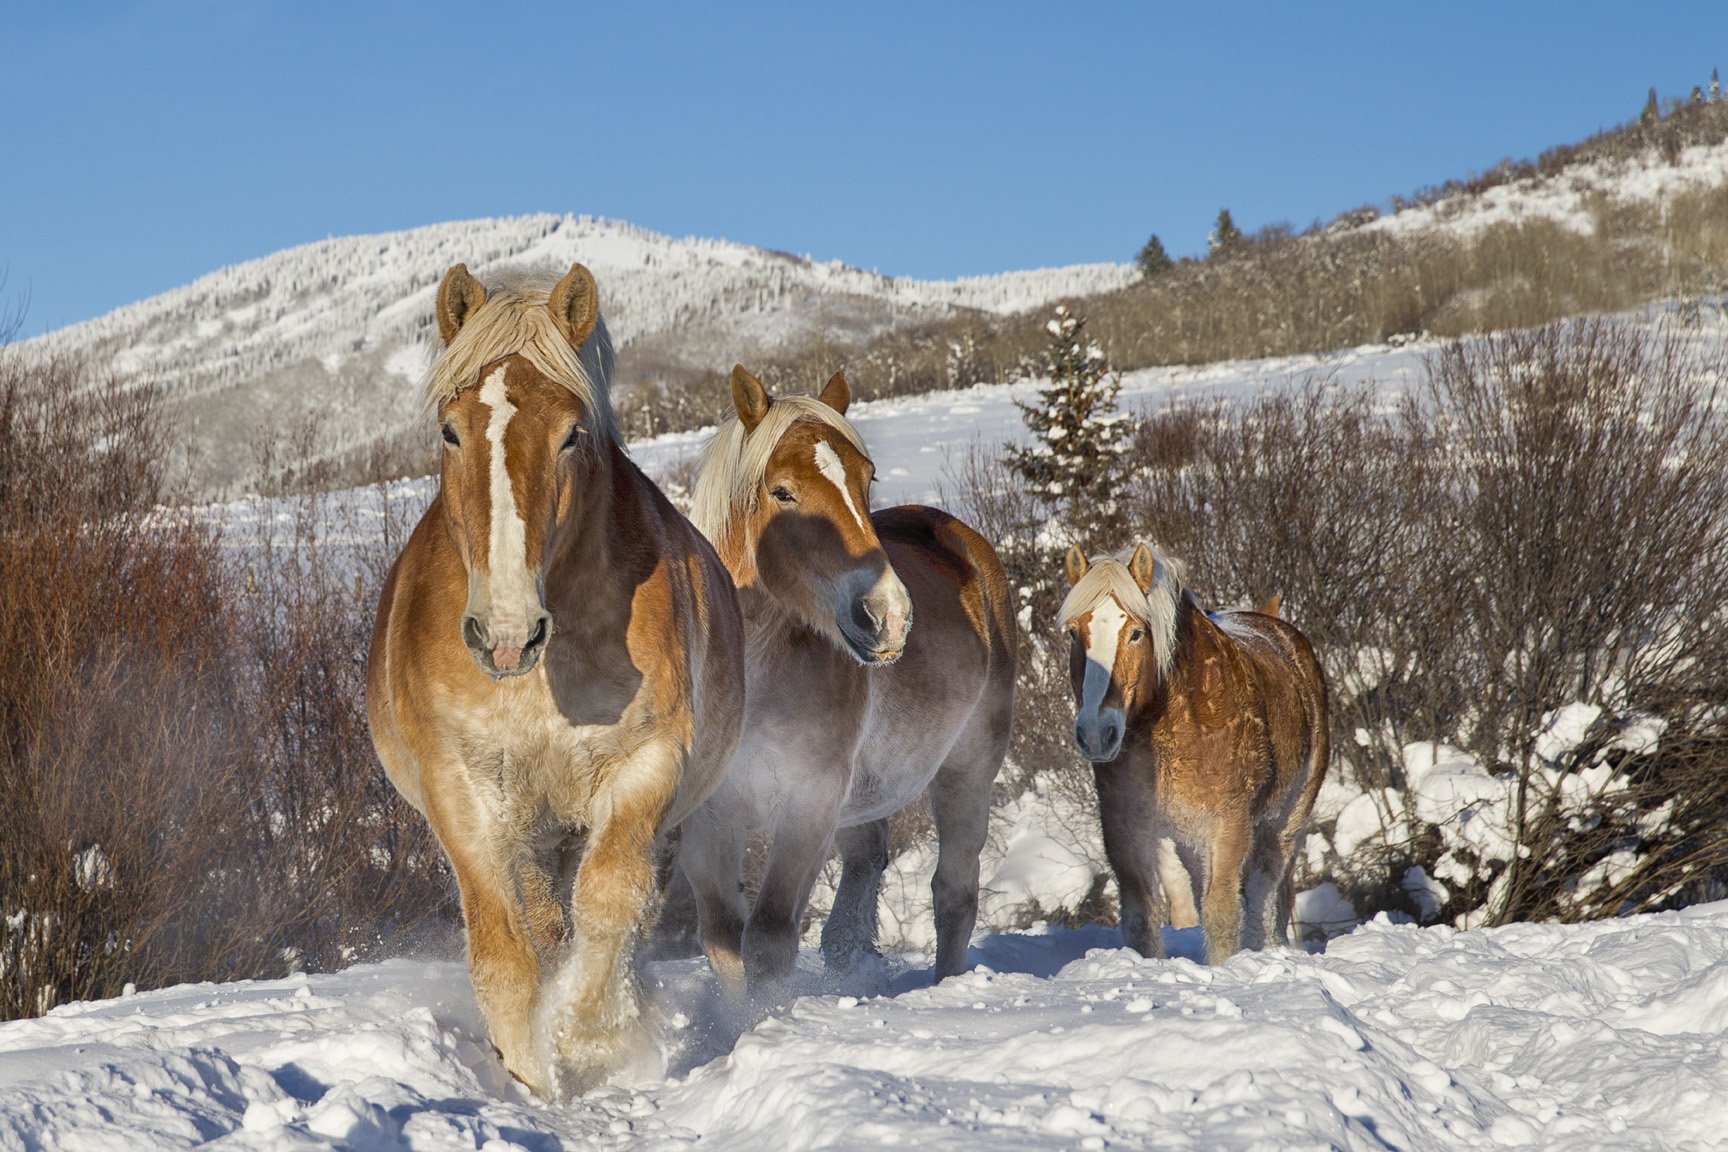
(1572,1037)
(1566,197)
(341,327)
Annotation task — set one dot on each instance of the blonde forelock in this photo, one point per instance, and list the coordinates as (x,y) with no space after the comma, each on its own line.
(516,321)
(729,479)
(1156,608)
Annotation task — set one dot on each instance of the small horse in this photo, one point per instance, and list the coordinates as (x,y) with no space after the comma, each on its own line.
(852,710)
(556,675)
(1206,730)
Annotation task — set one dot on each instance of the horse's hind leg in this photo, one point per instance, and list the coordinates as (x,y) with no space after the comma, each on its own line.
(960,803)
(1260,897)
(849,934)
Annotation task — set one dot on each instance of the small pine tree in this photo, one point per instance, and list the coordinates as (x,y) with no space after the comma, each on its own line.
(1652,111)
(1153,260)
(1076,431)
(1715,87)
(1224,235)
(1697,95)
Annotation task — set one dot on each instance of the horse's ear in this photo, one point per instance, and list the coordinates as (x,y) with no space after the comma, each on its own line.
(836,394)
(1074,564)
(575,305)
(1272,606)
(749,398)
(1142,567)
(459,296)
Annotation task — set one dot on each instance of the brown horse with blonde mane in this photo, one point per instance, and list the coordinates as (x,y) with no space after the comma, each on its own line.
(556,674)
(1206,731)
(881,666)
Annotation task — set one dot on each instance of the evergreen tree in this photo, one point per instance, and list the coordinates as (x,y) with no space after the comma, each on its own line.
(1715,87)
(1153,259)
(1224,235)
(1076,432)
(1652,111)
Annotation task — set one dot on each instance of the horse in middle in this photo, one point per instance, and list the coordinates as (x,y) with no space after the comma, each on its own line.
(879,664)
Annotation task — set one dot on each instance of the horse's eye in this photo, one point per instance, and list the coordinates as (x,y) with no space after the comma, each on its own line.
(784,495)
(570,440)
(1134,636)
(450,437)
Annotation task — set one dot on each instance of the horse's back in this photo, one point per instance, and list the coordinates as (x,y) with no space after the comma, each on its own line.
(1289,689)
(958,573)
(951,692)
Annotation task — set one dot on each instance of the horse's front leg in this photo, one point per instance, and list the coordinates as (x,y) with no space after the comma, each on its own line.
(501,956)
(849,935)
(1131,837)
(803,835)
(595,1013)
(1221,903)
(711,858)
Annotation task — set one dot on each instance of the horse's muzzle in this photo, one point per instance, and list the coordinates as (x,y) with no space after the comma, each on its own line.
(875,616)
(1100,736)
(506,652)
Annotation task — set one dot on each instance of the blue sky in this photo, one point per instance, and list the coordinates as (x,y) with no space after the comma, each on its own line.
(144,144)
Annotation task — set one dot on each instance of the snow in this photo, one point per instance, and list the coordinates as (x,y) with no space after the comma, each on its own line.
(1575,1036)
(1565,197)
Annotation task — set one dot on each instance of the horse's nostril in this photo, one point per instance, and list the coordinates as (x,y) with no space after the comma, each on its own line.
(540,630)
(472,634)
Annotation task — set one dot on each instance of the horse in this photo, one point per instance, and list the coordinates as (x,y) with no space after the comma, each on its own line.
(1207,733)
(852,709)
(556,673)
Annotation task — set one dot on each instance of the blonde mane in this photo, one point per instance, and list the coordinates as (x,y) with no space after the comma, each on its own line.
(515,320)
(1157,609)
(729,479)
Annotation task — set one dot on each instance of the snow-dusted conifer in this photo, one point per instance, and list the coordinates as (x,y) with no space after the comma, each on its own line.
(1152,259)
(1715,87)
(1652,111)
(1076,430)
(1224,235)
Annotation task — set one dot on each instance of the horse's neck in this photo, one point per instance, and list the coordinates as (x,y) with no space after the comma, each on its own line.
(1196,641)
(605,534)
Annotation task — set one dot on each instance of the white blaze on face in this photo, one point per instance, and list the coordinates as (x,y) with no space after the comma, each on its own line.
(507,559)
(828,463)
(1102,636)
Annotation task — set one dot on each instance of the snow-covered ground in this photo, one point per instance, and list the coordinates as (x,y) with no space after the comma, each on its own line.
(1606,1035)
(1601,1035)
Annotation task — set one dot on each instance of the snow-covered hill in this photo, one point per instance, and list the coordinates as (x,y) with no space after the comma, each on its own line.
(340,328)
(1605,1035)
(1567,197)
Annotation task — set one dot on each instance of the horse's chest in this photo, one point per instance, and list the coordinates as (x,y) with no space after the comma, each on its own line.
(529,758)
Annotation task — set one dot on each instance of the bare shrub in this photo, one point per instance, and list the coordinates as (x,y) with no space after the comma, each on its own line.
(186,788)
